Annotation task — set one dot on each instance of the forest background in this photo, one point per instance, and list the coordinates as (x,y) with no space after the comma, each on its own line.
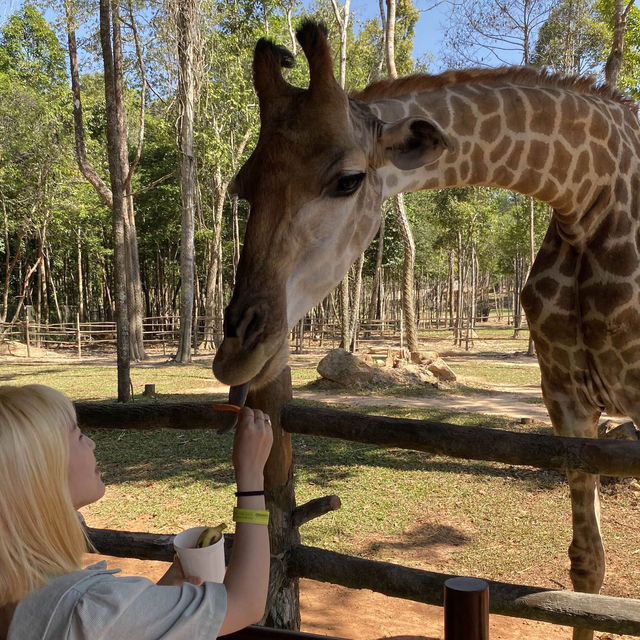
(123,122)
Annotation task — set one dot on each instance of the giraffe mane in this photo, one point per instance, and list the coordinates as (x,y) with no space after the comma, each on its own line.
(390,88)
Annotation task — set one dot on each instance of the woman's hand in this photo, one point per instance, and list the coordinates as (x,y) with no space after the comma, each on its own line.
(251,446)
(174,577)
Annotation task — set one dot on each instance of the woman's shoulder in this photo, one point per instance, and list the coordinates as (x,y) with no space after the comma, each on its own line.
(93,604)
(35,613)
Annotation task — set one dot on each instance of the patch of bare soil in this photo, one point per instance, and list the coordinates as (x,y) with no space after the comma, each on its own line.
(360,614)
(328,609)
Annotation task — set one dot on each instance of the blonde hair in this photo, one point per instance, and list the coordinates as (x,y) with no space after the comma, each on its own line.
(40,534)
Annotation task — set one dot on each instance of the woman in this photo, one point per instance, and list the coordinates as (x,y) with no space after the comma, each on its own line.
(47,471)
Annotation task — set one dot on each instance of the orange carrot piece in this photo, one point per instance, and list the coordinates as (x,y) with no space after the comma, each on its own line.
(227,407)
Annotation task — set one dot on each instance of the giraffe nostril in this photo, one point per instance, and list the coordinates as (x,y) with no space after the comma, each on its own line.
(248,327)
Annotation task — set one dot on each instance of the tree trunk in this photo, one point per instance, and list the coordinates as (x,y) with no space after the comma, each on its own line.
(408,306)
(460,297)
(186,23)
(54,293)
(81,154)
(471,322)
(118,208)
(130,261)
(374,305)
(345,316)
(342,17)
(517,287)
(355,307)
(80,278)
(614,61)
(531,350)
(450,291)
(134,286)
(283,603)
(390,38)
(214,301)
(214,305)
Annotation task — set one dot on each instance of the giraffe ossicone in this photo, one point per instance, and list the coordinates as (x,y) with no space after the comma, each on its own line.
(325,162)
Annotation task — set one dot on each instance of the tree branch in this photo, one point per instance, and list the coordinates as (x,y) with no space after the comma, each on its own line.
(314,509)
(84,165)
(155,183)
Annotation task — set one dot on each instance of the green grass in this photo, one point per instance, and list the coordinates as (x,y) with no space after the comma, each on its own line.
(502,374)
(98,382)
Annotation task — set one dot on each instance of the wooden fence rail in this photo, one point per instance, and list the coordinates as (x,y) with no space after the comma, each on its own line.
(607,457)
(291,560)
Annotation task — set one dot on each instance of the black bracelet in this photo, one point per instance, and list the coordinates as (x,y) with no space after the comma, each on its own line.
(239,494)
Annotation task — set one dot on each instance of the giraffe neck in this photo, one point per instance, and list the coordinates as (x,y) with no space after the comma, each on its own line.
(575,151)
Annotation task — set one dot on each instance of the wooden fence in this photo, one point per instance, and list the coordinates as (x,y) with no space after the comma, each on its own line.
(291,560)
(86,338)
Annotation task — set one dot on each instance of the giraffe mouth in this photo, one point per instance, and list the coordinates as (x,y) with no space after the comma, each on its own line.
(237,366)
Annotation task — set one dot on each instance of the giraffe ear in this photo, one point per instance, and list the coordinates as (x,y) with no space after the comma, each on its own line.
(413,142)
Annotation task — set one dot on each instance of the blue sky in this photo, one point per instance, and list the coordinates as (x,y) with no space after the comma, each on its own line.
(428,39)
(427,30)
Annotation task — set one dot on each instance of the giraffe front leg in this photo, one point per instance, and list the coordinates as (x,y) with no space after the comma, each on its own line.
(586,550)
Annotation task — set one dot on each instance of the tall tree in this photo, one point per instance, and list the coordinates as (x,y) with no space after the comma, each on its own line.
(33,151)
(349,305)
(490,32)
(115,132)
(186,14)
(613,65)
(571,40)
(227,121)
(500,30)
(408,305)
(114,95)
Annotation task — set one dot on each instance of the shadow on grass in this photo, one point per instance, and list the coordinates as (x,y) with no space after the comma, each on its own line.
(428,535)
(326,460)
(185,457)
(5,377)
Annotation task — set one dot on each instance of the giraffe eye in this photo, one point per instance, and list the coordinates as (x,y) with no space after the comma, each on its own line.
(347,185)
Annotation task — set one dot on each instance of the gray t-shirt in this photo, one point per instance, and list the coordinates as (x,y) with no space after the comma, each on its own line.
(93,604)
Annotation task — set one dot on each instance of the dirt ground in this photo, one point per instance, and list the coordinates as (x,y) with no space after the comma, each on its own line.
(328,609)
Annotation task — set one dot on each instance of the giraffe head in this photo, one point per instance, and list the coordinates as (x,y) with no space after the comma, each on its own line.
(315,182)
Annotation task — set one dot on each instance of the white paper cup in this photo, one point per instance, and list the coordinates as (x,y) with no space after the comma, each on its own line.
(206,563)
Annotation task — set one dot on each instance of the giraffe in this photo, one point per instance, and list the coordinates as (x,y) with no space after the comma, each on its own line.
(324,163)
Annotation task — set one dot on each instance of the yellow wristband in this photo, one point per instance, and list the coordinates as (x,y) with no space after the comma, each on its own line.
(252,516)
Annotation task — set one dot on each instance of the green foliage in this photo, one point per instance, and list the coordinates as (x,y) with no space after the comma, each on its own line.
(572,40)
(39,181)
(629,79)
(30,52)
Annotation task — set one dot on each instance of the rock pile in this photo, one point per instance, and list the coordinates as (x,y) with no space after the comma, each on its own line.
(401,368)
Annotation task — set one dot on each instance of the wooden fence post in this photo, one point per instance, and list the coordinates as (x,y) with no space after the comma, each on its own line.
(283,603)
(78,336)
(26,336)
(466,609)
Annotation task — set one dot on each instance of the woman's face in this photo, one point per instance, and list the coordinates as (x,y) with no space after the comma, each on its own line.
(85,484)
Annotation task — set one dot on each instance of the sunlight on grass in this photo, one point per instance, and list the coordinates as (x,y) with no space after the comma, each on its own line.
(497,373)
